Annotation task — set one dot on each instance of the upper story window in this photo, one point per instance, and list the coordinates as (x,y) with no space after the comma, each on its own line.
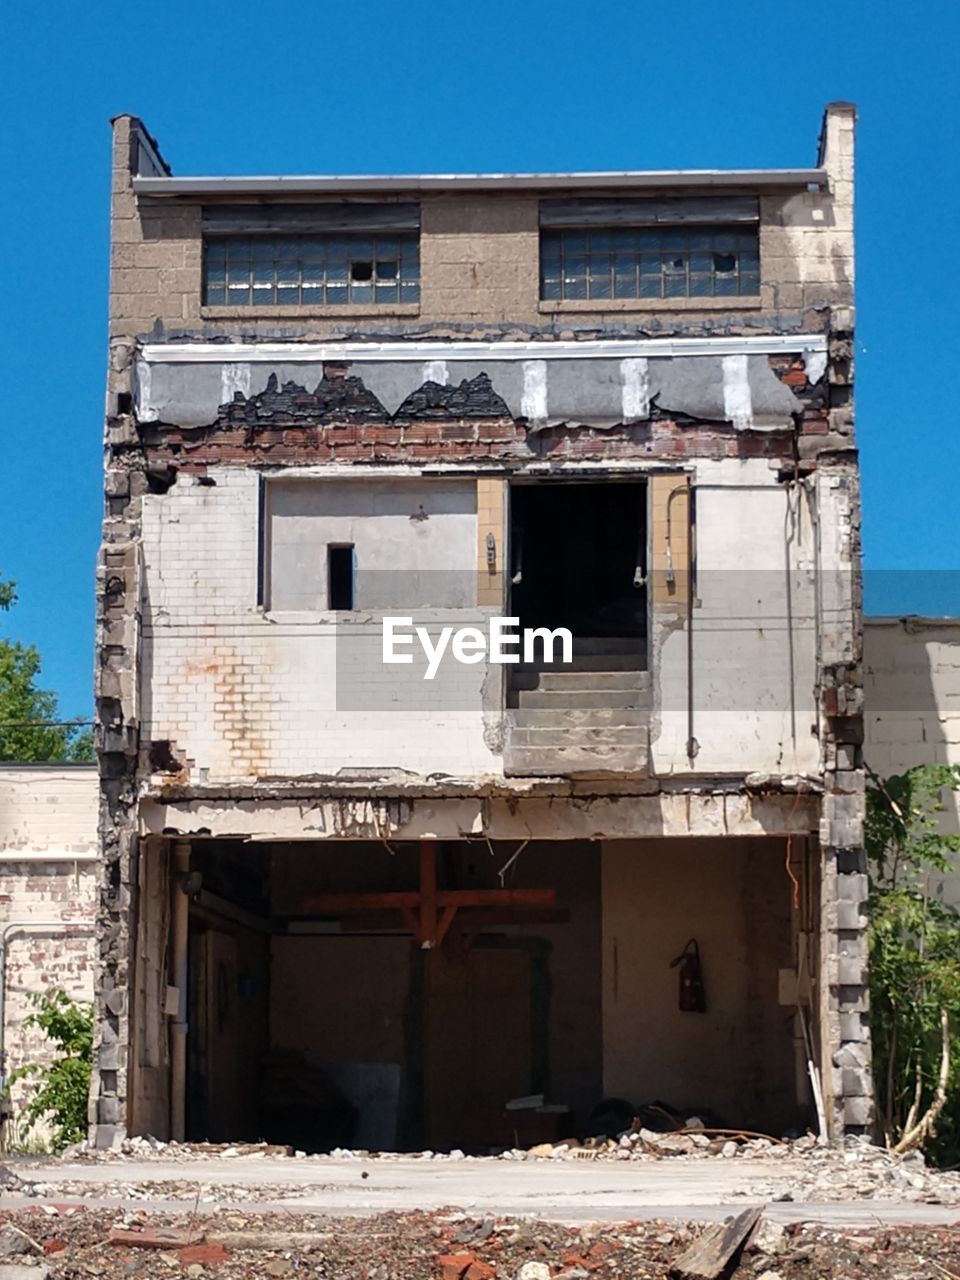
(644,248)
(318,270)
(341,253)
(688,262)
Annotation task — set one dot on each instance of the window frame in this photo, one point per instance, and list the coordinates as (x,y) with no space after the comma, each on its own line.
(247,253)
(332,549)
(630,255)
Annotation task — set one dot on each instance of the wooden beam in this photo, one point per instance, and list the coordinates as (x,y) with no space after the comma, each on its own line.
(333,904)
(469,918)
(497,898)
(446,920)
(428,893)
(337,904)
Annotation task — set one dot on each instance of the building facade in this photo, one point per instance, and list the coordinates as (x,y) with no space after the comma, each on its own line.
(347,900)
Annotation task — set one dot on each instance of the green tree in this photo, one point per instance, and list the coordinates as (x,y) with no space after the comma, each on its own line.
(914,961)
(30,726)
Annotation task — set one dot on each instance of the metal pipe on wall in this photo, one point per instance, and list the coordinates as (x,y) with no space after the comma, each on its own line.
(180,930)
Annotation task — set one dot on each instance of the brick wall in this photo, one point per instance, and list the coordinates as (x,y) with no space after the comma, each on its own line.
(48,873)
(239,691)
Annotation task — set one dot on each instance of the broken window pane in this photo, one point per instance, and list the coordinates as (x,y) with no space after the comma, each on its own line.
(643,262)
(313,270)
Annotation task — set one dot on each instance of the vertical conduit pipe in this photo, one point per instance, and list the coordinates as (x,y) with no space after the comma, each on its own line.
(178,1031)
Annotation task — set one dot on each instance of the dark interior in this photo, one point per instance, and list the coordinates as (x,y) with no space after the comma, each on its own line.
(322,1028)
(578,557)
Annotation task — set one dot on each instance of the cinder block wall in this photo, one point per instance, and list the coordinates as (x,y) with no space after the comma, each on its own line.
(479,265)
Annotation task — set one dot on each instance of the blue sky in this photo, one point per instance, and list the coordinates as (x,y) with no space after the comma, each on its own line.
(507,84)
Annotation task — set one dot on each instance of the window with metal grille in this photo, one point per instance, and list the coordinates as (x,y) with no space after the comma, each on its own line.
(649,262)
(311,270)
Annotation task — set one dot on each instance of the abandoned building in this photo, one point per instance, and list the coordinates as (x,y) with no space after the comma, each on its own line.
(348,902)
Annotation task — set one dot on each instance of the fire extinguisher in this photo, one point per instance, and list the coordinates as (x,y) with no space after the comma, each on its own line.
(691,998)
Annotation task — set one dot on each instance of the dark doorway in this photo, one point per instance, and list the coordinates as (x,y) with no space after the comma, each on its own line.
(578,557)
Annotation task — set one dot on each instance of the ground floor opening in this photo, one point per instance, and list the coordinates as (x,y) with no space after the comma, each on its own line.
(468,994)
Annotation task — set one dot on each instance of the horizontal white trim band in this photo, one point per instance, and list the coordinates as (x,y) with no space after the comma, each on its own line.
(351,352)
(34,855)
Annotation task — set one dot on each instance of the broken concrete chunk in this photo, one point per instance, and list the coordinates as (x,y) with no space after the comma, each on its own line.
(769,1238)
(15,1243)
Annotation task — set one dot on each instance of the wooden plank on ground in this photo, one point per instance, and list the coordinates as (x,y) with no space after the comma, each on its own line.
(712,1252)
(155,1237)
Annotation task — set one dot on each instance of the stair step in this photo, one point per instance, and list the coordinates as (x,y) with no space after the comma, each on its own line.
(571,718)
(588,662)
(608,644)
(583,680)
(576,761)
(607,735)
(554,699)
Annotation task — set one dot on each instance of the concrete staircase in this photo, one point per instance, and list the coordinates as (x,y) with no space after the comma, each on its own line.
(588,717)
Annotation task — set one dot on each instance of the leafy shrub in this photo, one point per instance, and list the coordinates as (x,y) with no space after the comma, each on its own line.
(63,1085)
(914,961)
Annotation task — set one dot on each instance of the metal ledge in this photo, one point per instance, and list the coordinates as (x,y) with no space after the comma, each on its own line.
(227,187)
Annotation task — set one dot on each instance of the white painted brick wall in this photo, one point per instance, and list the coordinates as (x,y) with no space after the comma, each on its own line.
(48,836)
(912,693)
(912,701)
(240,692)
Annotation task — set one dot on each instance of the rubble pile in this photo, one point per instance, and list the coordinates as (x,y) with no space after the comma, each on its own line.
(802,1169)
(146,1147)
(188,1191)
(49,1243)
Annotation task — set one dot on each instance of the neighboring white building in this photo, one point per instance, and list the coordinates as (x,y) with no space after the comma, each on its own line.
(48,898)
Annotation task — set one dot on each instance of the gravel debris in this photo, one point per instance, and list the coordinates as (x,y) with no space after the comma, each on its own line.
(432,1246)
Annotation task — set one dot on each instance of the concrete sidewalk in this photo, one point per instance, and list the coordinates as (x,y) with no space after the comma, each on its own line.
(568,1191)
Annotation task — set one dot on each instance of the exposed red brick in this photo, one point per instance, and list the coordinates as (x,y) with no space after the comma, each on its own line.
(208,1255)
(453,1266)
(479,1270)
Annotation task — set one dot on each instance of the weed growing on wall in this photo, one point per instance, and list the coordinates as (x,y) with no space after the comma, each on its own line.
(62,1085)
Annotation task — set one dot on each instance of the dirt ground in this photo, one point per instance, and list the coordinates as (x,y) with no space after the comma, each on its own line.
(73,1241)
